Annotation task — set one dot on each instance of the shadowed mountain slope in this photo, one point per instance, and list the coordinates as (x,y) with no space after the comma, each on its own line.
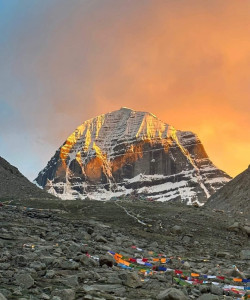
(234,196)
(14,185)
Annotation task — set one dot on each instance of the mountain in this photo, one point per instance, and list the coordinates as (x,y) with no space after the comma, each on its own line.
(13,185)
(127,151)
(234,196)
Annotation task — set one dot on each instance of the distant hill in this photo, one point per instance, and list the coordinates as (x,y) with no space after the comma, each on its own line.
(13,185)
(234,196)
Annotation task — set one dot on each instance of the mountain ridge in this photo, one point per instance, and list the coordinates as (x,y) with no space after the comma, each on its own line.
(109,150)
(13,184)
(234,196)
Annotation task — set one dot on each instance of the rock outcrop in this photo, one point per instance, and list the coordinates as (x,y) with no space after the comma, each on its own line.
(126,151)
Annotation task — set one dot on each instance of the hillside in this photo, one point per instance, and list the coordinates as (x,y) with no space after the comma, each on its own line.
(234,196)
(13,185)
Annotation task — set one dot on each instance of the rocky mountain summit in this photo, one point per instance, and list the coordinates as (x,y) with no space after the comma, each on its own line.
(234,196)
(94,250)
(14,185)
(127,151)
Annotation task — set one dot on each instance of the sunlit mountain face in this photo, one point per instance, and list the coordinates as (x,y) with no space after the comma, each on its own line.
(131,152)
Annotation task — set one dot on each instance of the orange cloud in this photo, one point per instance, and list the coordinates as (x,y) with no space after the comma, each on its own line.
(188,62)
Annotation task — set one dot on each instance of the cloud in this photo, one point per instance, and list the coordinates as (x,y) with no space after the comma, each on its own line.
(188,62)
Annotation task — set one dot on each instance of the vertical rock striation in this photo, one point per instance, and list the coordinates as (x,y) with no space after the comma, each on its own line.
(127,151)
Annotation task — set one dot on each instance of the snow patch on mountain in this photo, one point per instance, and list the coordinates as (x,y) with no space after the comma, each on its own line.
(127,151)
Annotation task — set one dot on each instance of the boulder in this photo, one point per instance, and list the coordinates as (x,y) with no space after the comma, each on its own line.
(25,280)
(171,294)
(208,297)
(64,294)
(131,279)
(245,254)
(101,239)
(2,297)
(177,229)
(235,227)
(106,260)
(216,290)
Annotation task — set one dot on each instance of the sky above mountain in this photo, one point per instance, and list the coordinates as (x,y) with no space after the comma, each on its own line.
(62,62)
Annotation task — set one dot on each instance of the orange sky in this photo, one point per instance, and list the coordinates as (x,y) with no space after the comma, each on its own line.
(188,62)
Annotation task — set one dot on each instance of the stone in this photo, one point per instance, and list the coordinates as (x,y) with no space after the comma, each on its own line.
(186,239)
(108,288)
(235,227)
(208,297)
(45,296)
(204,288)
(177,229)
(71,281)
(223,254)
(2,297)
(50,274)
(25,280)
(106,260)
(131,279)
(100,239)
(87,261)
(235,273)
(216,290)
(186,265)
(245,254)
(64,294)
(172,294)
(246,229)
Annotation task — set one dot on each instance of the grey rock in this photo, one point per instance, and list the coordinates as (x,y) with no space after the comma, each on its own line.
(208,297)
(64,294)
(106,260)
(223,254)
(45,296)
(246,229)
(87,261)
(216,290)
(172,294)
(186,265)
(25,280)
(71,281)
(177,229)
(245,254)
(204,288)
(100,239)
(235,227)
(186,239)
(2,297)
(50,274)
(131,279)
(109,288)
(235,273)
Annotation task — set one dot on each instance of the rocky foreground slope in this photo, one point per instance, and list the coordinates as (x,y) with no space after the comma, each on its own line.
(84,250)
(129,151)
(234,196)
(14,185)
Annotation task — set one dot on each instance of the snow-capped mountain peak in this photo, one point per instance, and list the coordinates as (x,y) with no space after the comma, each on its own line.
(103,157)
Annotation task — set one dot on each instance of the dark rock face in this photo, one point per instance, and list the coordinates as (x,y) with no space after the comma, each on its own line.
(234,196)
(127,151)
(14,185)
